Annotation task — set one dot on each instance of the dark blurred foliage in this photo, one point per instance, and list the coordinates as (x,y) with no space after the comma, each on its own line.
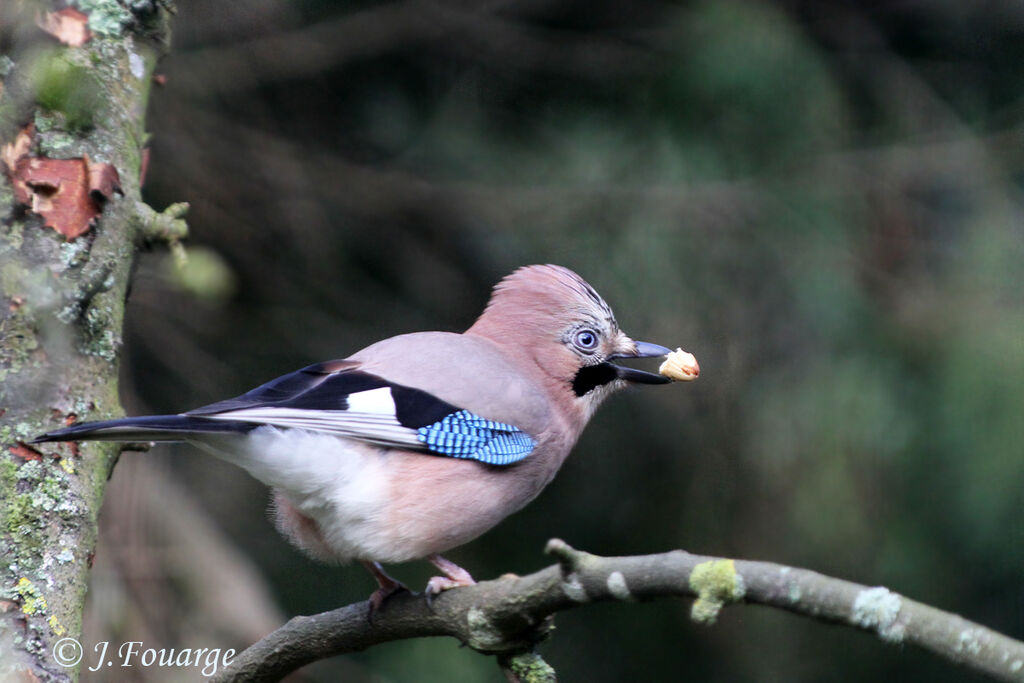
(821,200)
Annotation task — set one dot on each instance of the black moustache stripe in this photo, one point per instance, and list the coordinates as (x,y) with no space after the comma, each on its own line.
(593,376)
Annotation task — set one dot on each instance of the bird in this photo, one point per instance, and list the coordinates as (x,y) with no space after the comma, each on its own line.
(421,442)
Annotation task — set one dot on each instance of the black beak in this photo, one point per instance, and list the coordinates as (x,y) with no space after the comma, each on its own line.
(643,350)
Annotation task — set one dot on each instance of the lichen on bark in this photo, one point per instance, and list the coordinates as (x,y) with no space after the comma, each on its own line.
(61,309)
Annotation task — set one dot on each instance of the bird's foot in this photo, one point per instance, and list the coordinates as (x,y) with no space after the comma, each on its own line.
(378,596)
(387,587)
(438,584)
(454,577)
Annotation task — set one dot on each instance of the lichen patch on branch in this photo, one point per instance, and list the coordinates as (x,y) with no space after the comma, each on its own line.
(618,587)
(878,609)
(32,600)
(716,583)
(528,667)
(574,589)
(969,641)
(484,635)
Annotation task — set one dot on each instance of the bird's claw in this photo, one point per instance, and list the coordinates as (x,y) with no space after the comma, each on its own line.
(387,587)
(454,577)
(379,596)
(438,584)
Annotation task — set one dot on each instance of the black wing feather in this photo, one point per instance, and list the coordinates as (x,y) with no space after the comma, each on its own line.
(145,428)
(415,408)
(318,398)
(317,387)
(321,387)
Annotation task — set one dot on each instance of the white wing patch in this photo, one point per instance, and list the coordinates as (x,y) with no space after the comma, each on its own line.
(377,401)
(370,417)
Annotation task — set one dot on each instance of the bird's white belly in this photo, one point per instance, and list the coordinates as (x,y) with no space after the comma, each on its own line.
(339,484)
(358,501)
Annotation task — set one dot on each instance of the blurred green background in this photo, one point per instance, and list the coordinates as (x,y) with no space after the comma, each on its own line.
(821,200)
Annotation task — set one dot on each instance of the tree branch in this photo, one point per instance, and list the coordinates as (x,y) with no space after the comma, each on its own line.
(509,615)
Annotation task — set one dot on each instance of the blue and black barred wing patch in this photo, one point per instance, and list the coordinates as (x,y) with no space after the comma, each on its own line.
(465,435)
(340,399)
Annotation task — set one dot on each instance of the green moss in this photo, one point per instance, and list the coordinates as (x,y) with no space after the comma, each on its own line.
(19,518)
(716,584)
(17,515)
(67,88)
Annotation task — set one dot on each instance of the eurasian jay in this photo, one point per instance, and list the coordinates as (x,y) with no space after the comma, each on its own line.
(421,442)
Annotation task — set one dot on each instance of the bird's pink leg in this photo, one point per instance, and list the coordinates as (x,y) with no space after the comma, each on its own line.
(454,576)
(387,586)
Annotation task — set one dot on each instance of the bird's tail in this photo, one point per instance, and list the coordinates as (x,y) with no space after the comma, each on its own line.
(146,428)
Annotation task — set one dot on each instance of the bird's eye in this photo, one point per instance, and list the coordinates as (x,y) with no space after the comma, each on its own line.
(585,340)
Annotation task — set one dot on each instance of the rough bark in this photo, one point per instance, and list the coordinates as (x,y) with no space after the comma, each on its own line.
(61,309)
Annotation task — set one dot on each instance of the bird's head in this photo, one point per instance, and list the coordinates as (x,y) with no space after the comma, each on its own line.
(550,316)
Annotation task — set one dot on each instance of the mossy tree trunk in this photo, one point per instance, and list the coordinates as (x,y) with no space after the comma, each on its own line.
(61,307)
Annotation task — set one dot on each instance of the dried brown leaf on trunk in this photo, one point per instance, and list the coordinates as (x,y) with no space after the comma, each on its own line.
(25,452)
(67,193)
(103,179)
